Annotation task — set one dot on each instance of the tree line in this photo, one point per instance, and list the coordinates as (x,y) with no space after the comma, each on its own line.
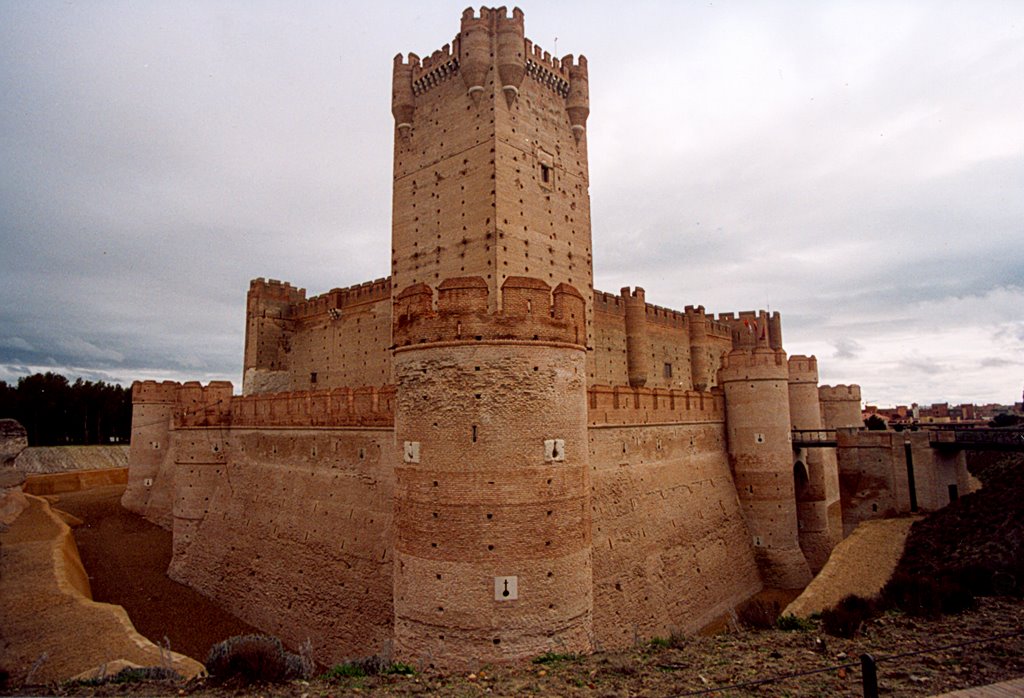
(56,412)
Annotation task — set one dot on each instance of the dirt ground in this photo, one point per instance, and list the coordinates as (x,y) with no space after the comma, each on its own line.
(702,664)
(126,558)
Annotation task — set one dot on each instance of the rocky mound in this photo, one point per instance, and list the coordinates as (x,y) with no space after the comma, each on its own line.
(60,459)
(13,440)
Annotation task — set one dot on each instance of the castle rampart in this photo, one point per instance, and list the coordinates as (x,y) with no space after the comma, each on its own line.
(625,405)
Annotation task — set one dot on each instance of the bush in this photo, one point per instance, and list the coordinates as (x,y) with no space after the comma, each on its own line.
(145,673)
(368,666)
(930,597)
(792,622)
(247,659)
(846,617)
(555,658)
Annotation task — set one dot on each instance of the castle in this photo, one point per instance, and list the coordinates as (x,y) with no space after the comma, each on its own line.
(480,457)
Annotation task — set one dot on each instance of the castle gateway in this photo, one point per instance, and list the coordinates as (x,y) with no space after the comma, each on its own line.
(480,457)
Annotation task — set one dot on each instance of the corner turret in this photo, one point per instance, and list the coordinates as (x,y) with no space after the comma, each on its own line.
(815,470)
(578,100)
(511,50)
(755,382)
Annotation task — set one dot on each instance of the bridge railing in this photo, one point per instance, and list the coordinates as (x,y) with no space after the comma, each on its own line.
(810,438)
(1006,439)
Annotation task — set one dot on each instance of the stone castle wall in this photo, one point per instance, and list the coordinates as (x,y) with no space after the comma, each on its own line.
(290,530)
(532,466)
(671,550)
(666,348)
(873,476)
(337,339)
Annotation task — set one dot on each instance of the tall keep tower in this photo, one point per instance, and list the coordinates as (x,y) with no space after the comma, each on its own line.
(490,170)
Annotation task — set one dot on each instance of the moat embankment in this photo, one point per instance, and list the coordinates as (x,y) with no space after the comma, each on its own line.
(126,558)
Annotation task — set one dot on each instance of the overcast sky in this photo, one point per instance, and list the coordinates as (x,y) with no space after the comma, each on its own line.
(857,166)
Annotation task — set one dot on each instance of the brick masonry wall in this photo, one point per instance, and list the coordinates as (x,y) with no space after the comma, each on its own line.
(669,342)
(351,349)
(671,549)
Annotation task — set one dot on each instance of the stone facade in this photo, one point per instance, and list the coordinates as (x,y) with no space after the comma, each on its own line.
(481,458)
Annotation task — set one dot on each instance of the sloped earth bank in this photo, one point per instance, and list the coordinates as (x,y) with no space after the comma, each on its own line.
(126,558)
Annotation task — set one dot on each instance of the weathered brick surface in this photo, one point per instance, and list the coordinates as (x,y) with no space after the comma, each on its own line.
(671,549)
(481,495)
(291,531)
(873,474)
(815,471)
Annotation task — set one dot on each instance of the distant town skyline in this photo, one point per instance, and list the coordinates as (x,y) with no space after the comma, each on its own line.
(856,166)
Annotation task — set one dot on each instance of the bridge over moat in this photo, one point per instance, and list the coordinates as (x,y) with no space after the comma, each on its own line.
(946,437)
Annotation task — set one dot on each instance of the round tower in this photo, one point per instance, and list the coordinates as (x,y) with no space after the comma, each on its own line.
(840,406)
(492,494)
(815,473)
(638,349)
(756,386)
(150,489)
(701,370)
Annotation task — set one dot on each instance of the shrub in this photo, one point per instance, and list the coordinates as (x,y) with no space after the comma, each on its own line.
(249,659)
(145,673)
(846,617)
(368,666)
(792,622)
(930,597)
(554,658)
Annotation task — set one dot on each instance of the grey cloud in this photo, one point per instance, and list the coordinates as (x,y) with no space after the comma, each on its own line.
(998,362)
(847,348)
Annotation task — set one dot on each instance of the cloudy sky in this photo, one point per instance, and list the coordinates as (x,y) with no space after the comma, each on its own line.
(857,166)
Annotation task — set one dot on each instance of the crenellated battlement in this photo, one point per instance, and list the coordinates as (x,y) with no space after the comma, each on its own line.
(274,289)
(213,405)
(530,311)
(803,369)
(363,406)
(614,405)
(199,405)
(338,299)
(839,392)
(155,392)
(489,39)
(760,363)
